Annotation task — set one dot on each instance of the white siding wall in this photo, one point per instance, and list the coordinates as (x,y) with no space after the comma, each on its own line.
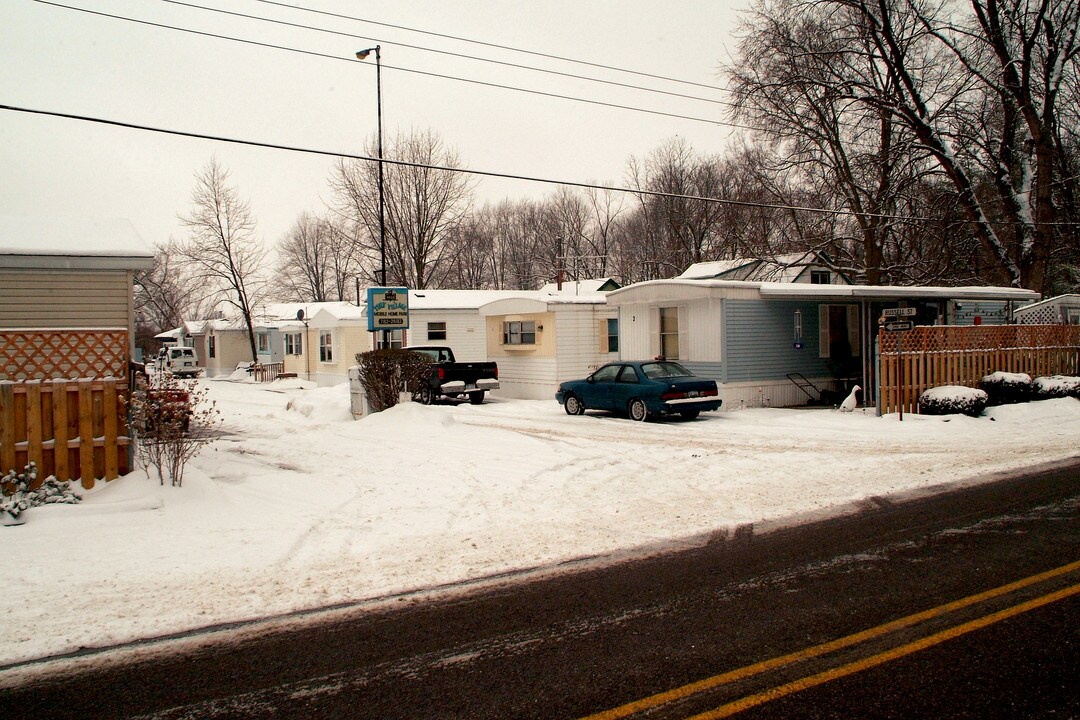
(527,378)
(634,335)
(703,331)
(582,331)
(465,332)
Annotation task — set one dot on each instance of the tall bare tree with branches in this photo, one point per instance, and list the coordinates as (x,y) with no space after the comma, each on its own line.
(423,199)
(222,252)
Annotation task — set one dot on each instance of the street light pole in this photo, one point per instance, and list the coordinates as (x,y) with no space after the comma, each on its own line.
(362,55)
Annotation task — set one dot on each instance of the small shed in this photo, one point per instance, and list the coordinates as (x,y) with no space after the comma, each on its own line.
(66,296)
(1058,310)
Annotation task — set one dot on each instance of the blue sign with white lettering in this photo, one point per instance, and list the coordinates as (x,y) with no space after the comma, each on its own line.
(387,308)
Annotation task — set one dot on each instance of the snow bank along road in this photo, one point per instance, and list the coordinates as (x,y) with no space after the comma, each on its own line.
(300,507)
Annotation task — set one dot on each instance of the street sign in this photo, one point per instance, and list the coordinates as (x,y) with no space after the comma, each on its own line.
(899,326)
(899,312)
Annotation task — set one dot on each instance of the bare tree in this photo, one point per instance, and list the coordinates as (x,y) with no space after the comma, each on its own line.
(222,252)
(317,260)
(979,90)
(164,296)
(423,199)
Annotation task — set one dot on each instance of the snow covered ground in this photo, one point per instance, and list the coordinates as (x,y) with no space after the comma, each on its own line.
(298,506)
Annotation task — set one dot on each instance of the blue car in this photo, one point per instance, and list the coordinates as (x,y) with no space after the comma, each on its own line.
(641,390)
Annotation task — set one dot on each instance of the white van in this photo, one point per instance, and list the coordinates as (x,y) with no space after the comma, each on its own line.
(180,361)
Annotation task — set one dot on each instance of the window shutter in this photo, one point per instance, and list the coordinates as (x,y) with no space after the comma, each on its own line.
(654,332)
(823,331)
(853,330)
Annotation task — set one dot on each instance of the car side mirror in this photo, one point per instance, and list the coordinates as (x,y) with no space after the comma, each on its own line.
(591,379)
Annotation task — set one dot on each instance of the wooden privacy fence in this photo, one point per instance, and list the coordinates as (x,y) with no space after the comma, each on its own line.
(939,355)
(73,429)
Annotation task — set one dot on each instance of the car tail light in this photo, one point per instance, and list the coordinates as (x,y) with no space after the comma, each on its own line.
(496,372)
(442,374)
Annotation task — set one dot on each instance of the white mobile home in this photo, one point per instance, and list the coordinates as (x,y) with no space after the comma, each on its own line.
(761,340)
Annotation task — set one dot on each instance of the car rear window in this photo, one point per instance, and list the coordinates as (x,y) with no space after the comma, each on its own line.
(664,370)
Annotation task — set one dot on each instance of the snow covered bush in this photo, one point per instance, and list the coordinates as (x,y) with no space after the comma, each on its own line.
(952,399)
(1057,386)
(1004,388)
(172,421)
(386,374)
(16,495)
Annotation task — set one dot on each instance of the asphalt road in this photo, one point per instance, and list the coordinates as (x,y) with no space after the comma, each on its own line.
(962,604)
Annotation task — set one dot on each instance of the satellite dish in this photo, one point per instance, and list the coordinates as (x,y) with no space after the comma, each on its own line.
(300,314)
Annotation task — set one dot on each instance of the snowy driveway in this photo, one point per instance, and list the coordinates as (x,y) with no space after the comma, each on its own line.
(298,506)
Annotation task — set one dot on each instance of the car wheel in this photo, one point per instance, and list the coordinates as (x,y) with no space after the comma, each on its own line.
(476,398)
(426,396)
(573,405)
(689,414)
(637,410)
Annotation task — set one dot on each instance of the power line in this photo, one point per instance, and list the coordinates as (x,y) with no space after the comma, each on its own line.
(425,73)
(481,173)
(490,45)
(463,56)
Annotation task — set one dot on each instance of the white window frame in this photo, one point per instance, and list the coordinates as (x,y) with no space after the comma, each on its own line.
(294,343)
(326,346)
(515,332)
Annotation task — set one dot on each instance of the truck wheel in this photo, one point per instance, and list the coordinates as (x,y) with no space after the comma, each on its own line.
(476,398)
(426,396)
(638,411)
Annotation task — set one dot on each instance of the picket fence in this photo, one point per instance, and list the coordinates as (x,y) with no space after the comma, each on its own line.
(912,362)
(72,429)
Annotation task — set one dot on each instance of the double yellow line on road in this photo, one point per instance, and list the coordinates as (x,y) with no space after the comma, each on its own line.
(745,703)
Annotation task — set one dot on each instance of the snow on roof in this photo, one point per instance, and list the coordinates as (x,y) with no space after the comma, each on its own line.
(578,286)
(1067,299)
(71,237)
(782,268)
(792,289)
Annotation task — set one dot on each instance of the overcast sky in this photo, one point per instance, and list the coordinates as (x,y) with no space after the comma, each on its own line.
(66,61)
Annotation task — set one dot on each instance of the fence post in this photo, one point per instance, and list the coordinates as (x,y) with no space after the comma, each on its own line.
(7,426)
(61,467)
(86,433)
(111,428)
(33,429)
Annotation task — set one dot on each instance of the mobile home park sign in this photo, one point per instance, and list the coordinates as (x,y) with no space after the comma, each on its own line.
(387,308)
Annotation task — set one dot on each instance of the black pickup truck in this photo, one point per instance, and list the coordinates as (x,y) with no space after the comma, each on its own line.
(452,379)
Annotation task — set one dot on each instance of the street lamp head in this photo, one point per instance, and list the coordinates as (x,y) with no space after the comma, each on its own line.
(363,54)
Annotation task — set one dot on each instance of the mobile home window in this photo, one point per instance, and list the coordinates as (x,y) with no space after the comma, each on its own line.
(264,342)
(436,331)
(395,340)
(613,335)
(294,344)
(820,277)
(669,332)
(326,347)
(519,332)
(211,346)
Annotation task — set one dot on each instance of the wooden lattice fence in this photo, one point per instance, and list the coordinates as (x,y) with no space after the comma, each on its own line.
(73,429)
(29,354)
(939,355)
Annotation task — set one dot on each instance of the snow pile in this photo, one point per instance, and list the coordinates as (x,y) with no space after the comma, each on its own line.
(293,509)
